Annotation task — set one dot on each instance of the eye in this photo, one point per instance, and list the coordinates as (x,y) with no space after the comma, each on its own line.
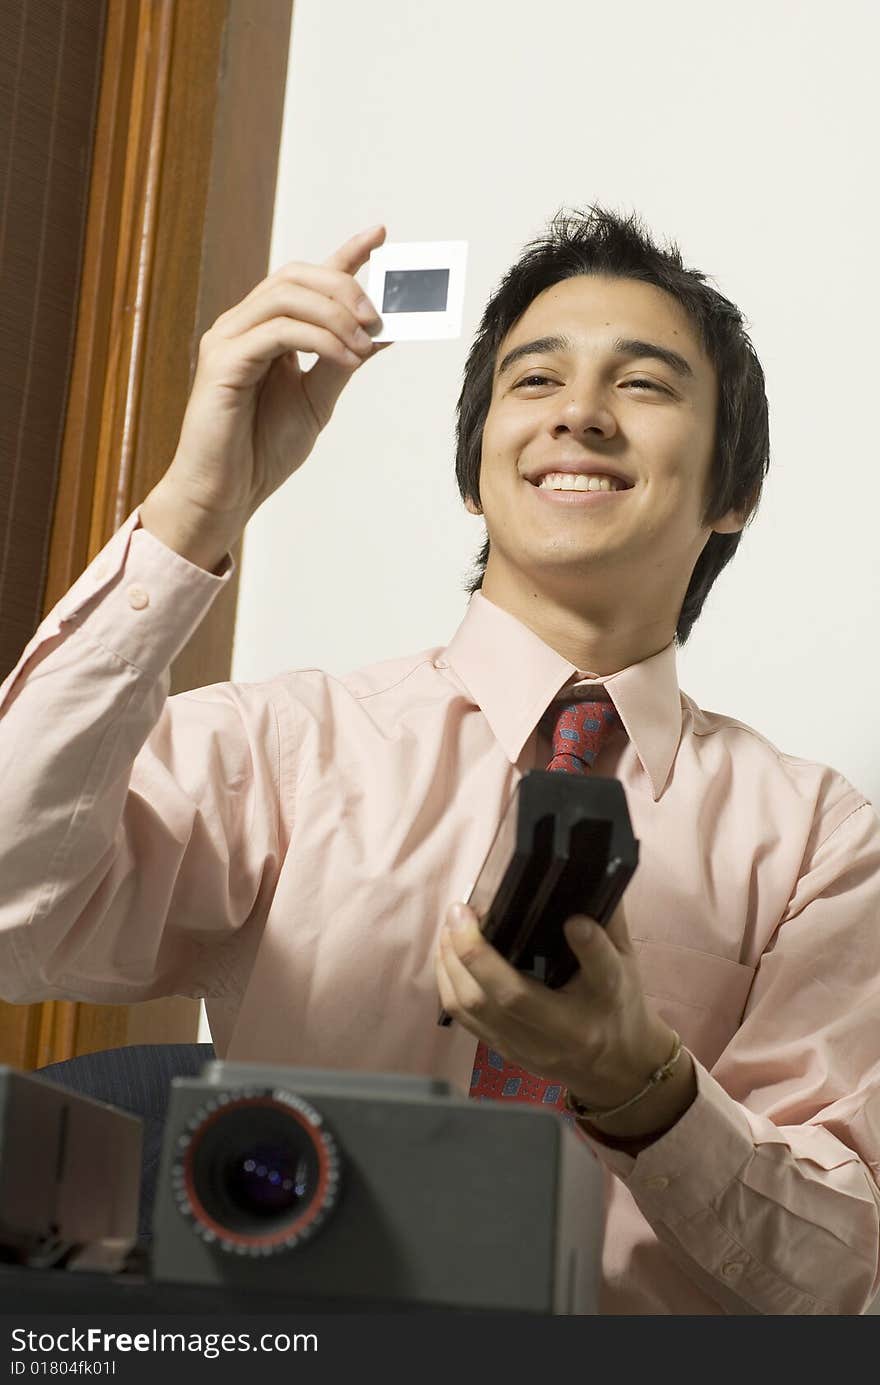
(643,384)
(529,378)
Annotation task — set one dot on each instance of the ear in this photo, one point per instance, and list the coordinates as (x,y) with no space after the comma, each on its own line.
(730,523)
(734,520)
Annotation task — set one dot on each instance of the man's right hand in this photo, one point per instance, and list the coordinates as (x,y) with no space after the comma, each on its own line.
(253,417)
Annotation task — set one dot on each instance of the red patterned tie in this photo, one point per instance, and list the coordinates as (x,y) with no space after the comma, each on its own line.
(579,730)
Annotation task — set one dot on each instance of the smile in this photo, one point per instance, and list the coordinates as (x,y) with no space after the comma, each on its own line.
(574,481)
(580,499)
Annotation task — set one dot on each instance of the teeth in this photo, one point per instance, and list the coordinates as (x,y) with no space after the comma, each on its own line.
(565,481)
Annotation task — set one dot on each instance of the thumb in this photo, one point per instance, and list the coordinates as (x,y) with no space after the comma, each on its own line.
(327,379)
(597,955)
(582,933)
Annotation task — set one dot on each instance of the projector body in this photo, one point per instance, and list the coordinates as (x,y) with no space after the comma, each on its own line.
(357,1186)
(70,1171)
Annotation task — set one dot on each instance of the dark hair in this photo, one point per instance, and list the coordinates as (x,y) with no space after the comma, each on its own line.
(619,247)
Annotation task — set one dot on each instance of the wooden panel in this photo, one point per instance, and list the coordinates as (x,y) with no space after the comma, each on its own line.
(51,73)
(180,208)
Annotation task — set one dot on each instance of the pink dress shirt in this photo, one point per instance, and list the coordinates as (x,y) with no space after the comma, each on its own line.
(288,850)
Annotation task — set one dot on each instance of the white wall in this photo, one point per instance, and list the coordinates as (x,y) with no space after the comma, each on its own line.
(747,134)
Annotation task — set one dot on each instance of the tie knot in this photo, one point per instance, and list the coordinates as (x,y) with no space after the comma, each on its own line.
(579,730)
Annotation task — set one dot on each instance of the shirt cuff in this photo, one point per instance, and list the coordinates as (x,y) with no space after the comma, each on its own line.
(686,1169)
(139,599)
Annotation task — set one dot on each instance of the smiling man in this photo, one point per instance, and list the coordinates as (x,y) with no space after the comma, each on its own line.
(297,851)
(606,379)
(613,431)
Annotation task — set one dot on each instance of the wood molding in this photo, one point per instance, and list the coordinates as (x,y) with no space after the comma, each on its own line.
(180,208)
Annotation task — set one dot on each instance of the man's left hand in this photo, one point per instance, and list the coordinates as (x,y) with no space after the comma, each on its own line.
(596,1035)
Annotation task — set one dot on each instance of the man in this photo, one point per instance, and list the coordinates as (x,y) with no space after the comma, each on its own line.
(290,850)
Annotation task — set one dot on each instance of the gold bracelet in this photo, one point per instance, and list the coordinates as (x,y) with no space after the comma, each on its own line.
(660,1074)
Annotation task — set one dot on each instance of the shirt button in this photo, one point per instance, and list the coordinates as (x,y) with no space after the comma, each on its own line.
(657,1183)
(731,1269)
(138,598)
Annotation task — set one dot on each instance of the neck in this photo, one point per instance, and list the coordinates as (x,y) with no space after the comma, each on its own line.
(597,640)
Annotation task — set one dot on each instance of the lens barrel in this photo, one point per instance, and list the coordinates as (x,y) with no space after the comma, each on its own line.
(256,1171)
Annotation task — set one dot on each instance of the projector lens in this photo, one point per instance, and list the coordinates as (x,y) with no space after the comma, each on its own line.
(257,1171)
(270,1178)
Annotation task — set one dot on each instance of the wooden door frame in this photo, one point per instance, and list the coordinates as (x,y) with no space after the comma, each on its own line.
(180,209)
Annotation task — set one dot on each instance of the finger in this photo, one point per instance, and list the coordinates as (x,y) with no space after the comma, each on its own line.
(506,991)
(355,252)
(517,1041)
(316,312)
(327,379)
(445,989)
(466,994)
(335,275)
(598,958)
(334,278)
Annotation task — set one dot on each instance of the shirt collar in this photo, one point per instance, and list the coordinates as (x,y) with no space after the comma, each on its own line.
(513,676)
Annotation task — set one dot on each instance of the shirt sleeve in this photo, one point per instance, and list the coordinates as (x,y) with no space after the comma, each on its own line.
(139,833)
(767,1190)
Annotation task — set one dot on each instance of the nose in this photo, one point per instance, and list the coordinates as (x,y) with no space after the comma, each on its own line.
(580,415)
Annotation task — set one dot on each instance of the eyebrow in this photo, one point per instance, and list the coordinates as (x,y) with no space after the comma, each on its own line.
(621,346)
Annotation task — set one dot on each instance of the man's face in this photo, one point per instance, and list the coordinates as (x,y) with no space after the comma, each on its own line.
(592,402)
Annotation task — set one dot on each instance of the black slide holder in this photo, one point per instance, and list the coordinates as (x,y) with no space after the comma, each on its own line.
(564,846)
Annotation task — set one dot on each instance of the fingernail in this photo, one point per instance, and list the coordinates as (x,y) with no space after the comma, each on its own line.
(582,927)
(368,316)
(458,917)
